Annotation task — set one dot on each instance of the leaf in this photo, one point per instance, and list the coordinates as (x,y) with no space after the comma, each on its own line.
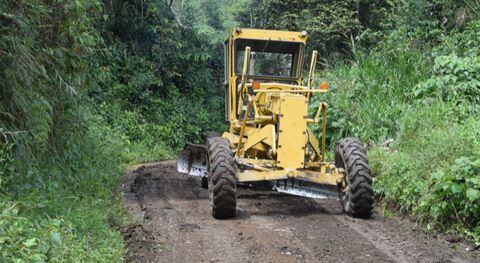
(56,222)
(473,194)
(30,242)
(455,188)
(55,237)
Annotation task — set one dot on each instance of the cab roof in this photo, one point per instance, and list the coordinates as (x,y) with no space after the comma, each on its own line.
(272,35)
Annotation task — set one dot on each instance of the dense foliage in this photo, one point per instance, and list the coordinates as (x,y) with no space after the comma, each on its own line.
(330,24)
(159,80)
(88,86)
(418,86)
(57,161)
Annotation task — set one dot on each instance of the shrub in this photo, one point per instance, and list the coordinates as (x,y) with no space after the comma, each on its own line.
(427,101)
(454,79)
(369,94)
(432,170)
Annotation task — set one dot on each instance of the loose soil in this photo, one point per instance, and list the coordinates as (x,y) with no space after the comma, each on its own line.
(175,225)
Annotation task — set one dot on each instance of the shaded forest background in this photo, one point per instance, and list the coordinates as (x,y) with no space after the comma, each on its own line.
(88,87)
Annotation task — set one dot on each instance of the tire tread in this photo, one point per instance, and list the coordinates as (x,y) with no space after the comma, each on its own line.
(221,179)
(350,154)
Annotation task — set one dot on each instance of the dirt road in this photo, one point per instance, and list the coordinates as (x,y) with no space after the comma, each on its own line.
(269,227)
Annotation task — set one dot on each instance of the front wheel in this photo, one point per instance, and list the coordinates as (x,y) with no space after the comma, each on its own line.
(222,185)
(357,196)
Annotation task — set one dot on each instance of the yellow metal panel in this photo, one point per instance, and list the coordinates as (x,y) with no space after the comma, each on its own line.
(252,175)
(273,35)
(231,137)
(294,91)
(275,103)
(280,86)
(292,131)
(318,177)
(331,178)
(265,135)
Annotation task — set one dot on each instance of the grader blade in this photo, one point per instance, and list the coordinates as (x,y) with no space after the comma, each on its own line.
(192,160)
(306,189)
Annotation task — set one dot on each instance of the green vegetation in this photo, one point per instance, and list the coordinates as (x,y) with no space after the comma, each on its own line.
(89,86)
(57,159)
(419,85)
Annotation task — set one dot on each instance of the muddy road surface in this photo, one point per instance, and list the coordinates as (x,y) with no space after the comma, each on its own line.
(175,225)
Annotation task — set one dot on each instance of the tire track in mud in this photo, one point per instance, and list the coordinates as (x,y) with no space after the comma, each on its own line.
(400,246)
(177,226)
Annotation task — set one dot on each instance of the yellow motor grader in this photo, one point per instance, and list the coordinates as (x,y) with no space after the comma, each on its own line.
(269,139)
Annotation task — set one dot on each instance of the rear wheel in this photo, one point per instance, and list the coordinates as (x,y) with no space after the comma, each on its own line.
(221,178)
(357,196)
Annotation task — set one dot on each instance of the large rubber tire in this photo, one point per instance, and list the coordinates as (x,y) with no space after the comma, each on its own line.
(208,135)
(222,185)
(357,199)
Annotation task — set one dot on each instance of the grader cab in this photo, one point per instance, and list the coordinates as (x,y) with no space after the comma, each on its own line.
(269,139)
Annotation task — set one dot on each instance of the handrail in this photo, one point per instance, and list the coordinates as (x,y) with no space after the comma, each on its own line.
(289,91)
(311,75)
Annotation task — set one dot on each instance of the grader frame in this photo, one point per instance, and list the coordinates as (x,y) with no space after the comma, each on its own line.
(269,138)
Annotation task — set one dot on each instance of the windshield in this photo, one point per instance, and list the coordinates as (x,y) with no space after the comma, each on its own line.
(267,64)
(268,58)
